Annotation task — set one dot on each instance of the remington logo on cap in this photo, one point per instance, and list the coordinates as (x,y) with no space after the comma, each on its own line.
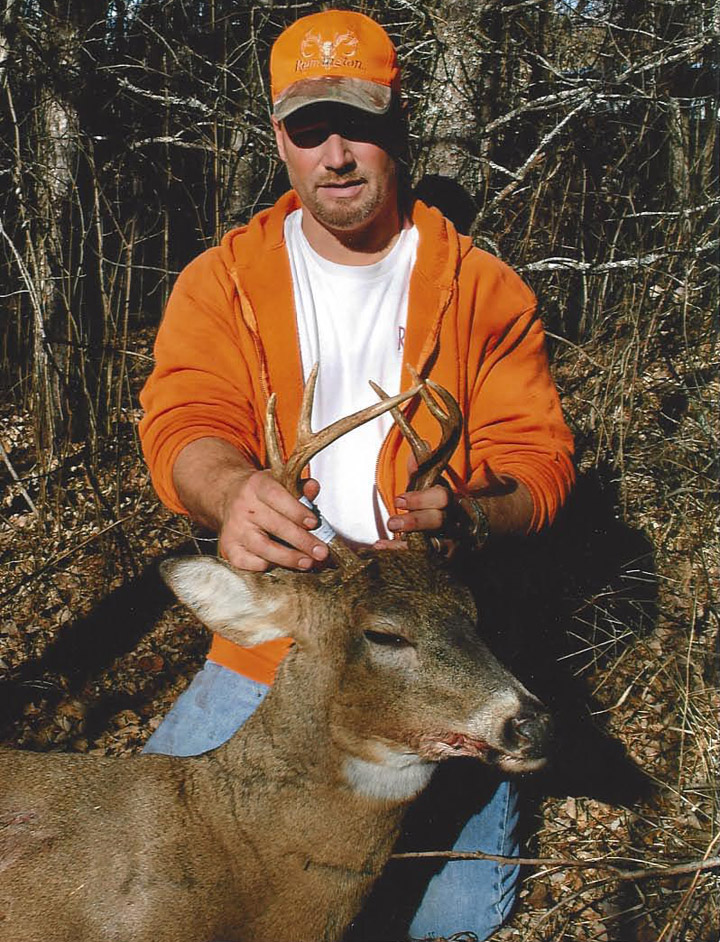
(338,51)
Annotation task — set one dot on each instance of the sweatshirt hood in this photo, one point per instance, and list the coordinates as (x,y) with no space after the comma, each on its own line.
(258,263)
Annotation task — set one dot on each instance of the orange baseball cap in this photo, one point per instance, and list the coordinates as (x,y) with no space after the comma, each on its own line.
(338,56)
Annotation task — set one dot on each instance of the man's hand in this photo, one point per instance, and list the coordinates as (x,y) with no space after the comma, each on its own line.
(248,509)
(427,511)
(257,513)
(507,504)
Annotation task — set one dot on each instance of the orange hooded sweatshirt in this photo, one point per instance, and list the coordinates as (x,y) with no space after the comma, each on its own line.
(229,339)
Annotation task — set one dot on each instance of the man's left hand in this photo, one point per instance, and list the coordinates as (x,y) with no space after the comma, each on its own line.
(428,511)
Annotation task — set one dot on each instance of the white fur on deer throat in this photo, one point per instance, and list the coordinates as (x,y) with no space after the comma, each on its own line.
(393,776)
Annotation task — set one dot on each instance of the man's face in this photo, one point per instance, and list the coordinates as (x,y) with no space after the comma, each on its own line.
(339,160)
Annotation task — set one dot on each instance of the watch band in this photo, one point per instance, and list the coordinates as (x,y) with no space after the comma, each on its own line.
(478,525)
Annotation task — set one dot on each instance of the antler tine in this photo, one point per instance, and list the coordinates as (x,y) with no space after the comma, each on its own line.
(277,463)
(309,443)
(420,448)
(272,445)
(428,473)
(304,427)
(431,463)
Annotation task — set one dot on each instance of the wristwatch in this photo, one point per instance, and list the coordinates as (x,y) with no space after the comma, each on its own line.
(477,525)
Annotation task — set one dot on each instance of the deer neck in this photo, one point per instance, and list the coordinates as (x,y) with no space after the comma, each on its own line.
(285,776)
(291,737)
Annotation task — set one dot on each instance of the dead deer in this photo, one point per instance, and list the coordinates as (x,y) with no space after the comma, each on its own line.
(280,833)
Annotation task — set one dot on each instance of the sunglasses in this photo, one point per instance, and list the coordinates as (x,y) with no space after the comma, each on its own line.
(312,126)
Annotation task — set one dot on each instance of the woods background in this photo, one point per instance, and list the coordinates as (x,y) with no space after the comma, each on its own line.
(577,141)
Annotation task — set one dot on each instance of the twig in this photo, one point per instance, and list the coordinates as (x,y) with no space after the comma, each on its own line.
(187,102)
(696,867)
(53,563)
(627,264)
(538,154)
(578,349)
(14,476)
(668,932)
(619,873)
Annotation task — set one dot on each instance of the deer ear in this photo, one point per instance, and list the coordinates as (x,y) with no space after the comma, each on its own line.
(234,604)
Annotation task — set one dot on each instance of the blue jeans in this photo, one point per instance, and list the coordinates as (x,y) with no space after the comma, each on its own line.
(464,806)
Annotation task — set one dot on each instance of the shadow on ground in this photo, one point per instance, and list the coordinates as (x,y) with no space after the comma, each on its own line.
(557,607)
(84,648)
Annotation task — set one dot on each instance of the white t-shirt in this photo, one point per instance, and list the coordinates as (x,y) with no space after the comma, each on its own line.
(351,319)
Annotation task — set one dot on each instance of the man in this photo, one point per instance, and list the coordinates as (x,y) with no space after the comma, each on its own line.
(347,271)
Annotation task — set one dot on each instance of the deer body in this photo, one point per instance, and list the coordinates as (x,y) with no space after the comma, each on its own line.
(156,849)
(278,834)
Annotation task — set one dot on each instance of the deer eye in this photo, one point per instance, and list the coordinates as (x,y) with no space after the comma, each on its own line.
(387,640)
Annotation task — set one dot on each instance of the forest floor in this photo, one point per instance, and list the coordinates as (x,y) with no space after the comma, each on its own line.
(614,624)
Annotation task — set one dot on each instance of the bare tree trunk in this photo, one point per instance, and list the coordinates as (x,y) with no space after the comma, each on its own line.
(44,156)
(239,170)
(451,113)
(57,149)
(678,153)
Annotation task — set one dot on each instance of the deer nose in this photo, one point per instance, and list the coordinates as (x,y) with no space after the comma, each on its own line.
(529,732)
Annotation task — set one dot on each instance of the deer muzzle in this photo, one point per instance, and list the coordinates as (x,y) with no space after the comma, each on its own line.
(525,737)
(513,734)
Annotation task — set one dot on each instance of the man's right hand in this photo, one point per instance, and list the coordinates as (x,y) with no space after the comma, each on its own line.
(258,512)
(248,509)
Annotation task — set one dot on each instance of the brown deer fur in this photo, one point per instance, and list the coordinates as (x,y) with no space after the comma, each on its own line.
(279,833)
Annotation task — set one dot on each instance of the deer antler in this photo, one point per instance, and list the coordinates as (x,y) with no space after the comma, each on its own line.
(309,443)
(430,462)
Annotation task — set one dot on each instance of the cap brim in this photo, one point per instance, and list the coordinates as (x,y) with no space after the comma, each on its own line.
(368,96)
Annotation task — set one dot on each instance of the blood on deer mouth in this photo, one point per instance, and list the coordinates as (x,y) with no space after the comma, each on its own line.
(450,744)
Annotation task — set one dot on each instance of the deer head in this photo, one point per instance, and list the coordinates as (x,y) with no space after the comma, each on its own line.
(407,681)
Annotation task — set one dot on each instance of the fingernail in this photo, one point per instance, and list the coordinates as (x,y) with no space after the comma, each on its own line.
(320,552)
(401,503)
(304,563)
(394,523)
(310,522)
